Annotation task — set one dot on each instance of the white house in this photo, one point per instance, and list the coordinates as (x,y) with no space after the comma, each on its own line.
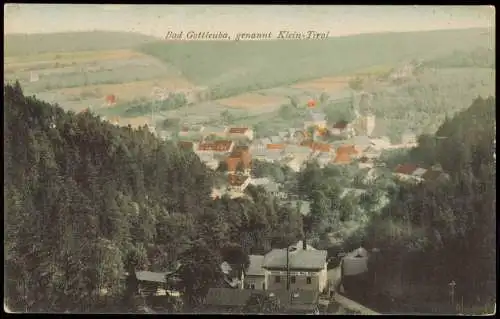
(307,269)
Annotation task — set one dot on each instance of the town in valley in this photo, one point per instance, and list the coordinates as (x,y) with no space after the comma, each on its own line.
(149,174)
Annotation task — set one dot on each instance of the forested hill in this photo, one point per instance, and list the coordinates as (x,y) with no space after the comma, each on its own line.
(446,230)
(86,200)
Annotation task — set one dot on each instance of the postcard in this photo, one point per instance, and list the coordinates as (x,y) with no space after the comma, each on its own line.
(263,159)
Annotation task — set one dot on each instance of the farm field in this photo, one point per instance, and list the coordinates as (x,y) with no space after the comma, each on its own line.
(328,84)
(253,101)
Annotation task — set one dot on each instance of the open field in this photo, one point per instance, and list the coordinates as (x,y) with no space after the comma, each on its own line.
(253,100)
(129,90)
(325,84)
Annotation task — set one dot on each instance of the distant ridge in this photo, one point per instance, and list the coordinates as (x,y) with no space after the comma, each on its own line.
(25,44)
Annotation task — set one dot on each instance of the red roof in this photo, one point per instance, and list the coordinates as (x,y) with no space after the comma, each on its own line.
(311,103)
(347,149)
(340,125)
(275,146)
(232,163)
(237,180)
(216,146)
(238,130)
(342,158)
(406,169)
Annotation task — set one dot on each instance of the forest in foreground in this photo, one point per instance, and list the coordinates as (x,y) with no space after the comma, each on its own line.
(87,201)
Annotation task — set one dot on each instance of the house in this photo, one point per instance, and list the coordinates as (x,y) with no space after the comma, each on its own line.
(255,275)
(406,172)
(238,182)
(342,128)
(307,269)
(240,133)
(220,146)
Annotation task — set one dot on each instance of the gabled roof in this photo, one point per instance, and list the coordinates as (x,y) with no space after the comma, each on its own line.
(275,146)
(238,130)
(406,169)
(255,267)
(217,146)
(299,259)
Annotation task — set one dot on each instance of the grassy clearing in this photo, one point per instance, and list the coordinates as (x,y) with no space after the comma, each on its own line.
(253,100)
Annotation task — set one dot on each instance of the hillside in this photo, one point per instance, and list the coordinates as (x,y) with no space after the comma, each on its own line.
(235,67)
(87,200)
(436,232)
(28,44)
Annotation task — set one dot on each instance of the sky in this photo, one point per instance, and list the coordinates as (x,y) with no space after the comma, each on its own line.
(157,20)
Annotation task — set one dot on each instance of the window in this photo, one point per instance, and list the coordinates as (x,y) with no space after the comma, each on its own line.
(252,286)
(277,279)
(293,279)
(309,280)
